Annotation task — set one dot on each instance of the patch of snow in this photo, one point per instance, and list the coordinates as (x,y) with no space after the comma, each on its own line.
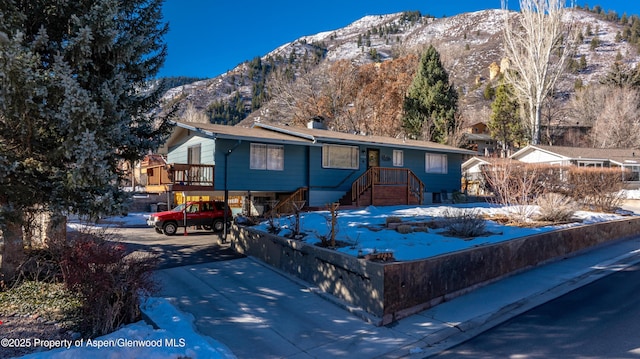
(631,194)
(175,339)
(364,229)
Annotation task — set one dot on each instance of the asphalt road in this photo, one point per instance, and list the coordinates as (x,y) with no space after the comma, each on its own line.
(178,250)
(600,320)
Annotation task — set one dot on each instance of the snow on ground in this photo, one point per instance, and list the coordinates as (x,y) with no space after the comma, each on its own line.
(131,220)
(176,337)
(363,229)
(631,194)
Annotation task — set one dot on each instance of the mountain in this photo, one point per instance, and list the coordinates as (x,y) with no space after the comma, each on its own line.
(468,44)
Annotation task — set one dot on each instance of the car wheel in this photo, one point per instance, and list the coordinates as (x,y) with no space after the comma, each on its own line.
(218,225)
(170,228)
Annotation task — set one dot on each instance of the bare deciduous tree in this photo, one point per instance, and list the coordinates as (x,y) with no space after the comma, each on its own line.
(339,93)
(380,95)
(618,123)
(537,45)
(295,97)
(364,99)
(192,114)
(585,107)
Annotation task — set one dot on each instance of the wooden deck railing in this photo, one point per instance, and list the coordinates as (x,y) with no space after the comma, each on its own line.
(286,205)
(388,176)
(181,175)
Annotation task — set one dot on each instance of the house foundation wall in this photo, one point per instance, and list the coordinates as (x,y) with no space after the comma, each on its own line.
(391,291)
(320,198)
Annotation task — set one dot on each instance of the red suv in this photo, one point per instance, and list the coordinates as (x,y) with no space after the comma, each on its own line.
(206,214)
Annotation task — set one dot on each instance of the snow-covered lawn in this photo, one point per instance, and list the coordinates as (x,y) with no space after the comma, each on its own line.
(364,229)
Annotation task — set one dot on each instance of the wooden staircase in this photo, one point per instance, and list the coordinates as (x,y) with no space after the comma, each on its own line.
(381,186)
(286,206)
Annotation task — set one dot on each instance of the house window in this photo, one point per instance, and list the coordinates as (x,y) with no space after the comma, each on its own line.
(267,157)
(632,173)
(589,164)
(193,155)
(337,156)
(435,163)
(398,158)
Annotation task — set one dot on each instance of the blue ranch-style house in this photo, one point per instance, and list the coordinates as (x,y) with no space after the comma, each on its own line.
(276,165)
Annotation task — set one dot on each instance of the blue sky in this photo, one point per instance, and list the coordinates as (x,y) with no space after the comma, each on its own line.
(209,37)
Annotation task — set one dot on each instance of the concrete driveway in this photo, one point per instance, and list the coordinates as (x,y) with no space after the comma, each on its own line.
(174,251)
(260,312)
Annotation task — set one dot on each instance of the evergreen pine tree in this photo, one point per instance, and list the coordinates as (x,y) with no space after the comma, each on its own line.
(504,124)
(431,103)
(583,63)
(75,100)
(489,92)
(621,75)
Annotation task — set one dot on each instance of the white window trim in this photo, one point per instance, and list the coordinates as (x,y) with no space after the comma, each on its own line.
(398,158)
(266,157)
(440,170)
(596,164)
(354,157)
(194,150)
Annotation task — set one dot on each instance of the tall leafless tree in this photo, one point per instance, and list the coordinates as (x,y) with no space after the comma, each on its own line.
(537,45)
(585,107)
(295,98)
(618,125)
(192,114)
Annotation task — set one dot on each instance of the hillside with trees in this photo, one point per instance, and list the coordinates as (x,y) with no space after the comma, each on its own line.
(356,78)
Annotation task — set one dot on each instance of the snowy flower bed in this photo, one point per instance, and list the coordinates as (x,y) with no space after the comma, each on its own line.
(364,230)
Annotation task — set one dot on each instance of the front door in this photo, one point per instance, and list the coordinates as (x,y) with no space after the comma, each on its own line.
(373,158)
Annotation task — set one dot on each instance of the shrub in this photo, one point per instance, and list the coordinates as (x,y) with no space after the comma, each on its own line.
(555,207)
(40,265)
(596,188)
(273,226)
(464,223)
(108,281)
(404,229)
(514,183)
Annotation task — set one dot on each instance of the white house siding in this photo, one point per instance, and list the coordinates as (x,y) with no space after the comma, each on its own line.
(540,157)
(179,154)
(475,170)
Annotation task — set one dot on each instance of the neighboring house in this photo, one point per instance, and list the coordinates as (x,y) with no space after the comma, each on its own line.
(472,178)
(152,160)
(269,163)
(625,158)
(478,139)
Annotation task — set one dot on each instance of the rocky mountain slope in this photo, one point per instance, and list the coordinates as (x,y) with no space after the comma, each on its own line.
(468,44)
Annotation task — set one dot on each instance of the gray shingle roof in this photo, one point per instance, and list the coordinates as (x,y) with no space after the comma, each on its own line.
(310,136)
(618,155)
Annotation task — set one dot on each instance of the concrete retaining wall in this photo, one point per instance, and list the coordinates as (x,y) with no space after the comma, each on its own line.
(356,281)
(395,290)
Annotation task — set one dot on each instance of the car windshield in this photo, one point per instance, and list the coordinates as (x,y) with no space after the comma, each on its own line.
(179,208)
